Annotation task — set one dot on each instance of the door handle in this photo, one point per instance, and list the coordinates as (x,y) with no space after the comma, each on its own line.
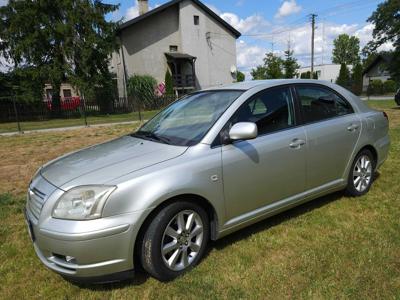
(352,127)
(297,143)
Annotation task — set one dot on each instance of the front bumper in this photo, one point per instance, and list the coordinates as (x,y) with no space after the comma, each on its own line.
(104,248)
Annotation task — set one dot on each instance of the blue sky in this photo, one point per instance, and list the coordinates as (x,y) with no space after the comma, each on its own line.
(269,25)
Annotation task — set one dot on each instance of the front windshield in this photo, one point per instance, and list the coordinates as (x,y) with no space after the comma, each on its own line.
(186,121)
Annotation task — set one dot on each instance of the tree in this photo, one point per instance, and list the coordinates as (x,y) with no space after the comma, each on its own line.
(259,73)
(141,88)
(290,64)
(273,66)
(357,79)
(387,29)
(346,50)
(344,76)
(169,85)
(58,41)
(240,76)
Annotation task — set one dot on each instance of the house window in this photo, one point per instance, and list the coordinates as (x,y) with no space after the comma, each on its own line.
(196,20)
(173,48)
(49,93)
(67,93)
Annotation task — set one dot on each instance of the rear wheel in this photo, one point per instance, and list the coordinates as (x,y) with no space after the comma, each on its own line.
(361,174)
(175,240)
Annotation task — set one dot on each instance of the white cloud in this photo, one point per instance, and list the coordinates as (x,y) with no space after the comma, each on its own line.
(251,24)
(3,2)
(248,57)
(287,8)
(133,11)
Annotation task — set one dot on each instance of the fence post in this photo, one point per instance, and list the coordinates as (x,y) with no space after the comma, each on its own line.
(140,113)
(16,114)
(84,110)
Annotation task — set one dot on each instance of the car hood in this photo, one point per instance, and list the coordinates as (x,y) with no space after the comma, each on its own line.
(101,163)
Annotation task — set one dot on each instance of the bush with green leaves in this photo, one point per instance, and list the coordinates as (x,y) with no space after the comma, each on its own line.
(375,87)
(141,88)
(169,86)
(389,86)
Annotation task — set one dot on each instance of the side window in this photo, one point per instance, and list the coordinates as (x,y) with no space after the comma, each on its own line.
(271,110)
(318,103)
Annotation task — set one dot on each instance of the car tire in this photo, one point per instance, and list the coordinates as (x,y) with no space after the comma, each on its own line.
(175,240)
(361,174)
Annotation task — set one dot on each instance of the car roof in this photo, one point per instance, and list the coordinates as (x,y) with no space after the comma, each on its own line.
(248,85)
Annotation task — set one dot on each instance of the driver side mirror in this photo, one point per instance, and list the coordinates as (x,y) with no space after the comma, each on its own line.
(243,131)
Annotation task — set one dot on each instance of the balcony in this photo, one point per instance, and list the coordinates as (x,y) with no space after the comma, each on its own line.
(184,81)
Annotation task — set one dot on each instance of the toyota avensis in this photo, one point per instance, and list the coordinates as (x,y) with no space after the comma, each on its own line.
(207,165)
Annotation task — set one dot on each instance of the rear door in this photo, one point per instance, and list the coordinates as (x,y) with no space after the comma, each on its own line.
(332,130)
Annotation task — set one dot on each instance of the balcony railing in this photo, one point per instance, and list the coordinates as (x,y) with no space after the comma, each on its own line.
(184,81)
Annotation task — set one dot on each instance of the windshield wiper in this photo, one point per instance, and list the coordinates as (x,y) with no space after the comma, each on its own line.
(151,136)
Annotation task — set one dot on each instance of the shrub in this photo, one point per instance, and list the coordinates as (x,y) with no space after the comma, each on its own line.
(357,79)
(344,77)
(375,87)
(389,86)
(141,88)
(169,86)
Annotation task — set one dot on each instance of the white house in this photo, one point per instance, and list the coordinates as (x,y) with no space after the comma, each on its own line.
(328,72)
(182,36)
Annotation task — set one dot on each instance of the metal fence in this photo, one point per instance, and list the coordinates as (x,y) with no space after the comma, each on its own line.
(16,110)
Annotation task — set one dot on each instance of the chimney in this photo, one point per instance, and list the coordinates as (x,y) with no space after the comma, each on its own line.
(143,6)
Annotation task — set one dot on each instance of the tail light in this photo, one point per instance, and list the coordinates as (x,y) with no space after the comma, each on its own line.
(385,115)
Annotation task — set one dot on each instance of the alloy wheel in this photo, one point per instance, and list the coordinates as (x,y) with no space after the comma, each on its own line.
(182,240)
(362,173)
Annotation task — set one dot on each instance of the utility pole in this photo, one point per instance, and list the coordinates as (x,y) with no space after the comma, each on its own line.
(312,16)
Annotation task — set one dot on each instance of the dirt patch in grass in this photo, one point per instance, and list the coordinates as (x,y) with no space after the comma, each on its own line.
(22,155)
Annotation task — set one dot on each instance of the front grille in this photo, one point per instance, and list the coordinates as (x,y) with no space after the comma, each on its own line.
(36,200)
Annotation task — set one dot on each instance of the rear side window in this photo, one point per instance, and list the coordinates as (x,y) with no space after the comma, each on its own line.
(319,103)
(271,110)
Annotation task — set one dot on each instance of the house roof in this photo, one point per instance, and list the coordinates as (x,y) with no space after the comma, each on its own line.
(385,57)
(163,7)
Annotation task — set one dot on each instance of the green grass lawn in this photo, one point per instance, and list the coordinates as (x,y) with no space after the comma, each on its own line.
(91,120)
(331,247)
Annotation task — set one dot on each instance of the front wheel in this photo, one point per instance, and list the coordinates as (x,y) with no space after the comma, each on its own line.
(361,174)
(175,240)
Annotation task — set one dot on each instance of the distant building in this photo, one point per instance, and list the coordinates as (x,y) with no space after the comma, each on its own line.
(182,36)
(328,72)
(67,91)
(377,70)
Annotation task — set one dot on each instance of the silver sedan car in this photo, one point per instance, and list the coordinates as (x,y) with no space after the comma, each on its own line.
(207,165)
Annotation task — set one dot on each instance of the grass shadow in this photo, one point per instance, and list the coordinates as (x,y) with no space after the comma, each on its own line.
(274,220)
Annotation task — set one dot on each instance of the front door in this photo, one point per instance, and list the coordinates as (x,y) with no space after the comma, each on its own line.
(271,167)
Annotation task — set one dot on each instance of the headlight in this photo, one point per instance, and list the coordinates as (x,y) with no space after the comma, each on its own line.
(82,202)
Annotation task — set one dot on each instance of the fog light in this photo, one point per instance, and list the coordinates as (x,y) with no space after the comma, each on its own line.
(69,259)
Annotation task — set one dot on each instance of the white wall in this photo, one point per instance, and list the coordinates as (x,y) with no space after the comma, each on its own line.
(216,55)
(328,72)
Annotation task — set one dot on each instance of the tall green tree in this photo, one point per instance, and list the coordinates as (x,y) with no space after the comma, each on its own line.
(344,77)
(271,69)
(240,76)
(290,65)
(387,29)
(259,73)
(357,79)
(346,50)
(60,40)
(273,65)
